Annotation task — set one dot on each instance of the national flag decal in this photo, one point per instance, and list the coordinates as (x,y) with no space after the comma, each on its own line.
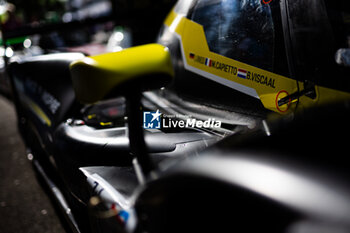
(192,55)
(242,73)
(208,62)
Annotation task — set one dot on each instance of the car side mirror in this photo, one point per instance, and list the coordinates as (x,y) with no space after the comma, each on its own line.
(342,57)
(139,68)
(126,73)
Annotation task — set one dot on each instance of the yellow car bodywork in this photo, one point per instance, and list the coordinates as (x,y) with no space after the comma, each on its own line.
(259,83)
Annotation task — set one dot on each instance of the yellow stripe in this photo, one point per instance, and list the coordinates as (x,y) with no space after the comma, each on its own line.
(105,123)
(36,110)
(91,116)
(170,18)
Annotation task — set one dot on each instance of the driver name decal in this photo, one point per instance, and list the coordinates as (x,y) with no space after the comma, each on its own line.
(261,79)
(235,71)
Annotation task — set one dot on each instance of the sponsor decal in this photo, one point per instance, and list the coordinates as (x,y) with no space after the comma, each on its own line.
(123,215)
(266,1)
(40,95)
(50,101)
(281,95)
(157,120)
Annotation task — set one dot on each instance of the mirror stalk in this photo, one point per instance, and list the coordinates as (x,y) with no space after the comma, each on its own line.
(137,142)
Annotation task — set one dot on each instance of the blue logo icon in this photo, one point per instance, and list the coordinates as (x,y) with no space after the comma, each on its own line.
(151,120)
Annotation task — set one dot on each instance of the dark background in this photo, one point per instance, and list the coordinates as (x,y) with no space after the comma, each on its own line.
(25,205)
(143,17)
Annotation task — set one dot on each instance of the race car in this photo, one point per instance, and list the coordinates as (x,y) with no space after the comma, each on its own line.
(181,135)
